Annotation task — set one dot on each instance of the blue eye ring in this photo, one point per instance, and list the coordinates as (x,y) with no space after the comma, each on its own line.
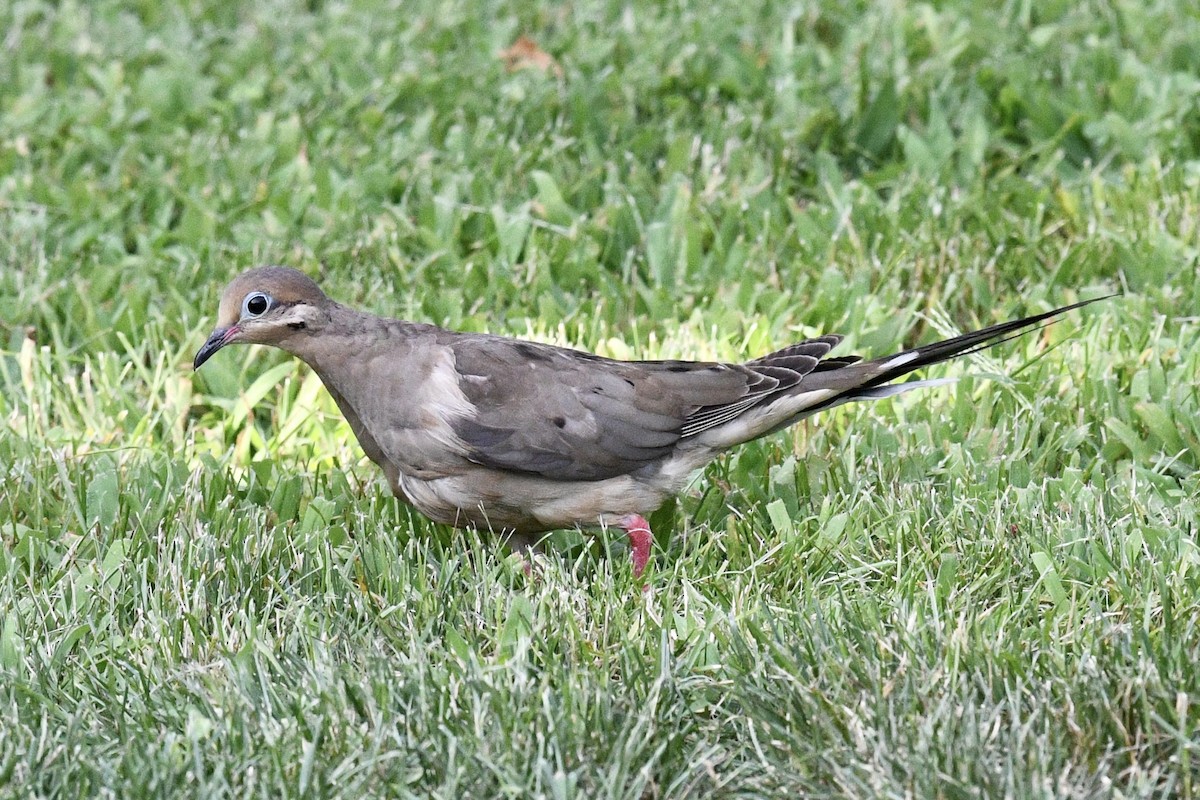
(256,304)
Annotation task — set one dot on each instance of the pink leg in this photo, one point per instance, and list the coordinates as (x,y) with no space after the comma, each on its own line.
(639,540)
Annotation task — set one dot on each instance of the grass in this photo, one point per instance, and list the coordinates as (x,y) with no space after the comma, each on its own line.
(982,591)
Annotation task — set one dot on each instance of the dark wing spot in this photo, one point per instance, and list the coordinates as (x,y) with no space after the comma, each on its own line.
(481,436)
(559,422)
(678,368)
(531,351)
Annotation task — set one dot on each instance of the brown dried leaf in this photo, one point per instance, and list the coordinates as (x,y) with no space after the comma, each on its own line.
(524,53)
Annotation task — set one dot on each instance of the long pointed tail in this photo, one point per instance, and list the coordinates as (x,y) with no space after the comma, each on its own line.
(880,373)
(798,381)
(969,343)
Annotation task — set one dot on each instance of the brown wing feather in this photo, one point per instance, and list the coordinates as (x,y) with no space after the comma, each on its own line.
(574,416)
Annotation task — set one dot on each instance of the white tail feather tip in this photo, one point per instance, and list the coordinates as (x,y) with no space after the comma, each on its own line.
(900,360)
(893,389)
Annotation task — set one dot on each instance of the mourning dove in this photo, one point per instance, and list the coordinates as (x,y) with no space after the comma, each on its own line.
(520,437)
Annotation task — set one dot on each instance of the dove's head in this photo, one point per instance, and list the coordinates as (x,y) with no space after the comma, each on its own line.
(266,305)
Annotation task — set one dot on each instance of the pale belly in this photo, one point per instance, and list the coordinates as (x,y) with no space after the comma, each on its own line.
(505,501)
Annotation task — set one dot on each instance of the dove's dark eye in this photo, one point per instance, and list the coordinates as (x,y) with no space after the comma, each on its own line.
(256,304)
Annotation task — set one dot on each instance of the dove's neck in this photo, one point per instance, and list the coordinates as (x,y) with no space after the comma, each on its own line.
(341,335)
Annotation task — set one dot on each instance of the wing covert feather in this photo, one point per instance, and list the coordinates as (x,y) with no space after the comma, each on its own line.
(574,416)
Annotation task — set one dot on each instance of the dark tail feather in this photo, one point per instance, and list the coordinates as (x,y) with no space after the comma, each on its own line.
(843,379)
(968,343)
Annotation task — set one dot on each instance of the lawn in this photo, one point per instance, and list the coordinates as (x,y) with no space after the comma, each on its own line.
(985,590)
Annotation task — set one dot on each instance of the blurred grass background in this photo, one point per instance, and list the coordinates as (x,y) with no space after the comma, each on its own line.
(987,591)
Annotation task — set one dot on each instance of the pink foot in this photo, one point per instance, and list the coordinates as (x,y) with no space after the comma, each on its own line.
(639,540)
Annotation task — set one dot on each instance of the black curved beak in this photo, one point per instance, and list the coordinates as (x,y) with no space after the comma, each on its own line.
(220,337)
